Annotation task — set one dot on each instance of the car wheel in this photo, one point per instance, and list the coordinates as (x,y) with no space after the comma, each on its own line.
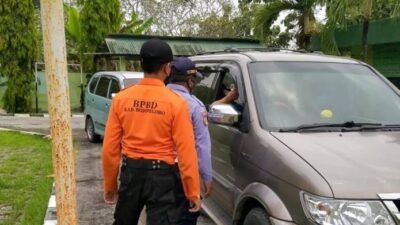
(256,216)
(91,135)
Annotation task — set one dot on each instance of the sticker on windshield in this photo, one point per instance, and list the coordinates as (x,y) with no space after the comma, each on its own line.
(326,114)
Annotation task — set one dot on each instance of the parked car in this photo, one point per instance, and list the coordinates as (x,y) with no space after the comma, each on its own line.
(98,96)
(311,139)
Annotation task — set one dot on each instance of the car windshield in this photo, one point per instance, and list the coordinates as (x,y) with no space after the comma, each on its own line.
(293,94)
(130,81)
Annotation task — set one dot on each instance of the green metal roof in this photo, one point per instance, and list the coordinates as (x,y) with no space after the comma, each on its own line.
(125,44)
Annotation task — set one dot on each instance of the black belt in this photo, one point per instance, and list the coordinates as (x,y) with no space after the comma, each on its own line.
(149,164)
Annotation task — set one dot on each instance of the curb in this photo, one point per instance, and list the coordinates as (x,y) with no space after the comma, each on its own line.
(51,212)
(27,132)
(25,115)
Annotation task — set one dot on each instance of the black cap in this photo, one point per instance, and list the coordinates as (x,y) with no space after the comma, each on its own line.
(156,50)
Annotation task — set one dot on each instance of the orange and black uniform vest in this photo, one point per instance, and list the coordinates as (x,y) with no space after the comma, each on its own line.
(149,121)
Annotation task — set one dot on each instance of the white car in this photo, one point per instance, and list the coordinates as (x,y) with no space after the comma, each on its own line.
(98,96)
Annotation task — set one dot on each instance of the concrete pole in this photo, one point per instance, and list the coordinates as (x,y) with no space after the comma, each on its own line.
(59,110)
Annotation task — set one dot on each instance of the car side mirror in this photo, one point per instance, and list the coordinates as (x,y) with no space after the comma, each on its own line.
(224,114)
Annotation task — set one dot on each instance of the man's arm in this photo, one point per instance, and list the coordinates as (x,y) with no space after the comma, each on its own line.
(182,134)
(231,96)
(111,154)
(203,146)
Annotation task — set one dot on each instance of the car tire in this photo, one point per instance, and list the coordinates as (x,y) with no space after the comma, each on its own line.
(90,133)
(256,216)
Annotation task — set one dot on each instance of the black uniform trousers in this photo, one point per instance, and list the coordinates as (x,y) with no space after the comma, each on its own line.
(185,217)
(149,183)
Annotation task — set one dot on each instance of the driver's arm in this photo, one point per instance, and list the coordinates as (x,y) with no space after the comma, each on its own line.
(231,96)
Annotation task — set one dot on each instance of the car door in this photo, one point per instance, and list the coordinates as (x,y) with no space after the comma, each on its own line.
(101,104)
(226,140)
(90,96)
(115,87)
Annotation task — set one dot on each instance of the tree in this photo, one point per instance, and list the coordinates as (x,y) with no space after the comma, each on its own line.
(173,17)
(216,26)
(230,23)
(340,13)
(268,12)
(98,19)
(74,32)
(91,21)
(18,47)
(244,21)
(135,25)
(78,44)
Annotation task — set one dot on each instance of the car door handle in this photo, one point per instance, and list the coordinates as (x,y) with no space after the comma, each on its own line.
(245,155)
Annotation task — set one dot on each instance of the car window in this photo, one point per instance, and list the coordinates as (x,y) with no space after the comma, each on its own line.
(102,87)
(93,84)
(227,84)
(114,87)
(233,78)
(205,90)
(131,81)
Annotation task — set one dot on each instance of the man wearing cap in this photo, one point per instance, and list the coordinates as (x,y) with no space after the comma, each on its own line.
(149,127)
(182,81)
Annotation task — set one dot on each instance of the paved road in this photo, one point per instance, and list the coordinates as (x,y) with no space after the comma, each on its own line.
(91,209)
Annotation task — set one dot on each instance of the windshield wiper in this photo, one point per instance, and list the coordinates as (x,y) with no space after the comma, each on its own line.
(347,124)
(389,127)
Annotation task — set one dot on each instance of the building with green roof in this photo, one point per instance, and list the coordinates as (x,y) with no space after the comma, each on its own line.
(123,49)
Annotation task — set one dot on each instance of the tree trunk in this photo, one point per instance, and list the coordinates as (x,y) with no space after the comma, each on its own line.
(364,40)
(366,11)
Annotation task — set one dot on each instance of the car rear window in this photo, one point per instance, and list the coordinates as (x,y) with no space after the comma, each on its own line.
(102,87)
(93,84)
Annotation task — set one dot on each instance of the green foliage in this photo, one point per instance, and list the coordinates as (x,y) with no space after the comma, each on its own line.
(243,22)
(98,19)
(74,29)
(277,38)
(136,25)
(19,48)
(217,26)
(91,21)
(174,17)
(341,13)
(226,25)
(302,16)
(396,10)
(266,15)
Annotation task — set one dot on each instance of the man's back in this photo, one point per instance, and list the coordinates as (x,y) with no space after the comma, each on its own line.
(149,121)
(141,106)
(148,126)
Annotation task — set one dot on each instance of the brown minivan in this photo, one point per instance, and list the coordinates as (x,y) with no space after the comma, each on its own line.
(311,139)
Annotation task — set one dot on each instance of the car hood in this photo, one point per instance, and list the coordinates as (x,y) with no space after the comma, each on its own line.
(357,165)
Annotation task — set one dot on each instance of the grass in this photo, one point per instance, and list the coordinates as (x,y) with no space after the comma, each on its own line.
(25,178)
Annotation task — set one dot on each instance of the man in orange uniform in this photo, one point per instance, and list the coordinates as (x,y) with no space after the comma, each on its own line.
(149,126)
